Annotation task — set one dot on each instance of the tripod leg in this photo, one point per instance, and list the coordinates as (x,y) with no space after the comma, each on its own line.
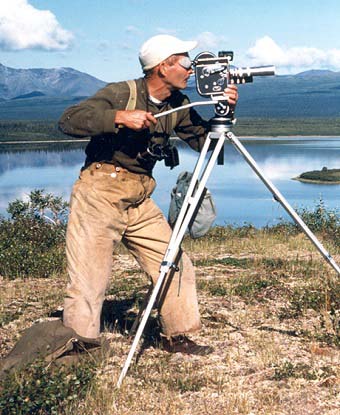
(140,312)
(183,220)
(278,196)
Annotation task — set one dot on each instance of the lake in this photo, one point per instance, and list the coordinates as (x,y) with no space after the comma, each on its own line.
(239,194)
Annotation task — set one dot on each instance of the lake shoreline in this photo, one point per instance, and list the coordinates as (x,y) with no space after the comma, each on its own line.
(245,137)
(248,127)
(314,181)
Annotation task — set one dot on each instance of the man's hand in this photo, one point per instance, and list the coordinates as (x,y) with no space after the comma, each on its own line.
(231,93)
(135,120)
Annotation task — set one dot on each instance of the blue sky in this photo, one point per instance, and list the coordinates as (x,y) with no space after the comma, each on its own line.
(103,37)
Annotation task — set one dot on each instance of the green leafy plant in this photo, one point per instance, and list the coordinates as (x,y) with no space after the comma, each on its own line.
(32,239)
(289,369)
(41,390)
(39,205)
(320,219)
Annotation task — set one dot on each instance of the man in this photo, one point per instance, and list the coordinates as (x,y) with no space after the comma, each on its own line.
(111,202)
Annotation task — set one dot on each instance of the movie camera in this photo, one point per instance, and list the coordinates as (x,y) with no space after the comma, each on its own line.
(214,73)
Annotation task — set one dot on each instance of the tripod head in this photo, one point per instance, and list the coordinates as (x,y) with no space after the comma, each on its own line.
(213,74)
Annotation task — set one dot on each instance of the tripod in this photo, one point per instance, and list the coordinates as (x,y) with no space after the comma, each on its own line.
(220,130)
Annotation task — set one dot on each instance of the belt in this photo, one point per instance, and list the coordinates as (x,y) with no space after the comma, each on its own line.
(113,170)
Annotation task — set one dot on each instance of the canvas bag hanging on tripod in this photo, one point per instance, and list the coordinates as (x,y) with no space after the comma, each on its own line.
(205,213)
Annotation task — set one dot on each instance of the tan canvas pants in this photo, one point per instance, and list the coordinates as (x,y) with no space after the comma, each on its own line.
(108,205)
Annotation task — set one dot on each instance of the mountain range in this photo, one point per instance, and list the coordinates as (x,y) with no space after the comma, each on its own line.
(45,93)
(51,82)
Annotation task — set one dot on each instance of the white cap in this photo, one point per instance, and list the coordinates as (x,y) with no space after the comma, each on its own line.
(160,47)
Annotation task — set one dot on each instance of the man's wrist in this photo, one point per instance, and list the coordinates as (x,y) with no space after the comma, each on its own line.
(118,120)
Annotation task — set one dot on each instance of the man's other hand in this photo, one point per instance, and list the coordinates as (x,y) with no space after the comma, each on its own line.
(231,94)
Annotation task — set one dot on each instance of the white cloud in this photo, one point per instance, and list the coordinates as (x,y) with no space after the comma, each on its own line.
(210,42)
(164,31)
(24,27)
(133,30)
(267,52)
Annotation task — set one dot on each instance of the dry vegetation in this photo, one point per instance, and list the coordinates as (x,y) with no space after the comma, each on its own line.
(269,306)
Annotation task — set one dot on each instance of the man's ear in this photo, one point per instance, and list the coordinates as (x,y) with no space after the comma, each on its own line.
(162,69)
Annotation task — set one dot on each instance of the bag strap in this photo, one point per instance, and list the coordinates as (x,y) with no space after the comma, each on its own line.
(131,104)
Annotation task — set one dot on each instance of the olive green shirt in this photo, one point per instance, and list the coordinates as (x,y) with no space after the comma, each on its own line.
(112,143)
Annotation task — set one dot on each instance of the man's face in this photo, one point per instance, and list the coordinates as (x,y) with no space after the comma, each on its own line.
(178,71)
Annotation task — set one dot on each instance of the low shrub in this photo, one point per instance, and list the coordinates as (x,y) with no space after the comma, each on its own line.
(40,390)
(32,238)
(319,220)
